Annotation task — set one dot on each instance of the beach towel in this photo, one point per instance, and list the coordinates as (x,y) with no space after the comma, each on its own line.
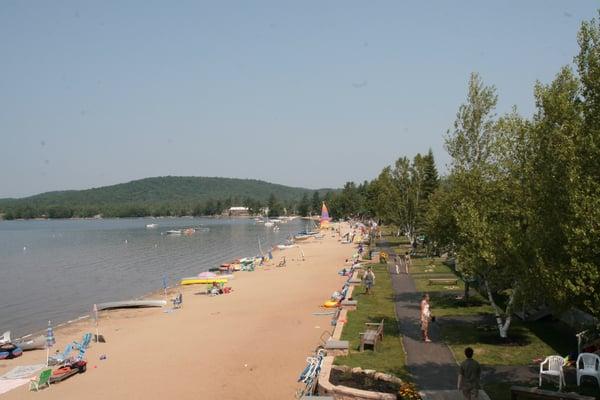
(6,385)
(23,371)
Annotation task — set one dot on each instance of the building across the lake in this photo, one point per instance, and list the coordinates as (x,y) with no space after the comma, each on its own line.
(238,212)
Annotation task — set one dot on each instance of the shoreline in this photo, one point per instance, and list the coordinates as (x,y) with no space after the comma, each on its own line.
(152,295)
(251,343)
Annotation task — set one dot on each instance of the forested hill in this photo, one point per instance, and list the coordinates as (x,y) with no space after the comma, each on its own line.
(170,195)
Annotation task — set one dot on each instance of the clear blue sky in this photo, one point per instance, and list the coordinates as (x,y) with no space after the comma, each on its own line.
(303,93)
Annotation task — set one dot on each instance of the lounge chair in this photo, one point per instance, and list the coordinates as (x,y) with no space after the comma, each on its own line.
(85,341)
(178,301)
(41,381)
(62,357)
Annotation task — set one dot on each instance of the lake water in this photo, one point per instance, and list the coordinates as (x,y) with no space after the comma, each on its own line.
(57,269)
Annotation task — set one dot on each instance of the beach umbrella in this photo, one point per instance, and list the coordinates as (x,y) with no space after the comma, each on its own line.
(99,338)
(95,317)
(50,341)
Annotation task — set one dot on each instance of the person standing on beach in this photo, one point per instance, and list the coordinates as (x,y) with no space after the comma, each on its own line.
(468,377)
(425,318)
(369,280)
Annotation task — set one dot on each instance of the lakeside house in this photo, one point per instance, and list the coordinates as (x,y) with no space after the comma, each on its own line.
(237,212)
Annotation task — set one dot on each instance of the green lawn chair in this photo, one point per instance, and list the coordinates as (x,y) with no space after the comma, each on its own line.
(43,380)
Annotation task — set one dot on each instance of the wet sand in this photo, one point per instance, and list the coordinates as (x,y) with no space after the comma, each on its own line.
(250,344)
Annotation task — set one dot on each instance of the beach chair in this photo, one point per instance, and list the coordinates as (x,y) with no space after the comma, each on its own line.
(41,381)
(61,358)
(82,347)
(282,262)
(178,301)
(588,364)
(554,369)
(85,342)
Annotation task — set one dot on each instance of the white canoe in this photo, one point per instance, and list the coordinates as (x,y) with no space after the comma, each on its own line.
(38,342)
(131,303)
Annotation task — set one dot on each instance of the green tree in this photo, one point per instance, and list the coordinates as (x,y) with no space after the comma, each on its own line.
(315,207)
(304,206)
(488,212)
(274,206)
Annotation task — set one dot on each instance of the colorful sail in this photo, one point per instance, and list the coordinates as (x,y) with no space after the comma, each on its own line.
(324,217)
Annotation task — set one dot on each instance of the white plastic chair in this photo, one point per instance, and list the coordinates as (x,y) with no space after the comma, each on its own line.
(554,369)
(588,364)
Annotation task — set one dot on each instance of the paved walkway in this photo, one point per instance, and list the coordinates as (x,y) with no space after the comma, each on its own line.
(432,365)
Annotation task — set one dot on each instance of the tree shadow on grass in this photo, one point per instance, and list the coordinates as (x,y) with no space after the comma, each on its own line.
(458,332)
(452,300)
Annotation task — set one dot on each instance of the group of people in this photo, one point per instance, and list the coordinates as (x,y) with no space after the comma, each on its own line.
(402,262)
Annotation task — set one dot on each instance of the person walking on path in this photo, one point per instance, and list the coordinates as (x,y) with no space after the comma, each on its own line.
(468,377)
(425,317)
(369,280)
(406,262)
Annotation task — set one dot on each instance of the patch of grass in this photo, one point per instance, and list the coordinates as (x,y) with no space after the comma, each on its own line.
(422,283)
(449,304)
(423,269)
(527,341)
(389,356)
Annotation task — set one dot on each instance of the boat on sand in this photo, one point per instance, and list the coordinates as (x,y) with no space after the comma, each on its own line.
(131,304)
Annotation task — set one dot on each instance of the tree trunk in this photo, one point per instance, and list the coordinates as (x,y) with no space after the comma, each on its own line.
(467,287)
(502,325)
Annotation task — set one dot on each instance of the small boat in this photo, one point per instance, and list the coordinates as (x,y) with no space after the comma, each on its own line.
(228,267)
(67,370)
(189,231)
(131,304)
(9,351)
(5,338)
(200,281)
(285,246)
(38,342)
(174,232)
(151,226)
(300,238)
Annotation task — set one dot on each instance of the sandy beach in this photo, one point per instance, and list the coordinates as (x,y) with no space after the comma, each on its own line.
(250,344)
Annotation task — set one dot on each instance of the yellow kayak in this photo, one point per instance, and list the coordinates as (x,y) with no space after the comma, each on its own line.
(199,281)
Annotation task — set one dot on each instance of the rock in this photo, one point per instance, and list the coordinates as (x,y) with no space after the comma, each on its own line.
(369,371)
(357,370)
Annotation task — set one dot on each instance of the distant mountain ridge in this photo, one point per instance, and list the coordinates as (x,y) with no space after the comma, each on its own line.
(165,190)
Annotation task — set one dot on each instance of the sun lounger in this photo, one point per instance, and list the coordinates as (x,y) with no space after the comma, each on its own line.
(62,357)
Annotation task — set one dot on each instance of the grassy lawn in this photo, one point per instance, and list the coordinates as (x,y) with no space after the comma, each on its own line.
(529,341)
(451,304)
(379,305)
(423,269)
